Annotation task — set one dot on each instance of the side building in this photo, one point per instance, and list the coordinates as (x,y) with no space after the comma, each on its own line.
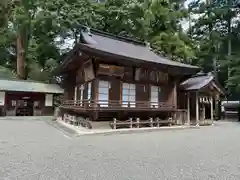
(107,76)
(27,98)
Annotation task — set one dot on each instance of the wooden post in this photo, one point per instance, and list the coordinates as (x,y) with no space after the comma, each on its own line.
(114,123)
(211,102)
(157,119)
(138,120)
(75,93)
(130,122)
(151,122)
(188,109)
(175,94)
(197,110)
(204,111)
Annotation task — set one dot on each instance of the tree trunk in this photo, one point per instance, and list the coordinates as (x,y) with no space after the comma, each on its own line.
(21,57)
(229,47)
(229,26)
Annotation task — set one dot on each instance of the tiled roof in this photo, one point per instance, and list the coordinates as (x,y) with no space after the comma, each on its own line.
(29,86)
(126,48)
(200,81)
(197,82)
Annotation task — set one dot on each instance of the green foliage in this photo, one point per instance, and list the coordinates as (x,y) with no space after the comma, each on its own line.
(41,22)
(46,24)
(216,36)
(6,73)
(155,21)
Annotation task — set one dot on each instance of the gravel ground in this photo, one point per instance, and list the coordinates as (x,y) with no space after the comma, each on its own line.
(32,150)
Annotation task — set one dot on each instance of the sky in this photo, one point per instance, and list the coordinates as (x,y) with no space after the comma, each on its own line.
(185,23)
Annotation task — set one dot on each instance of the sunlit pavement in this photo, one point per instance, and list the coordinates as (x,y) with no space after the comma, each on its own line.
(37,150)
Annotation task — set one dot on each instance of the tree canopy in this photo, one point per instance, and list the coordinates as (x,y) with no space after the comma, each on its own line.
(33,33)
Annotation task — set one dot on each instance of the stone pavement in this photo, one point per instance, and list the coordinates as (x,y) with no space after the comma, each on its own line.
(34,149)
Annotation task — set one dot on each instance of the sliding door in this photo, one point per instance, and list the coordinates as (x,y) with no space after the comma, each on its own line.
(103,93)
(154,96)
(128,95)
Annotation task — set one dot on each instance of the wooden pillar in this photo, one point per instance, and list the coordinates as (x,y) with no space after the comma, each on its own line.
(175,94)
(94,92)
(204,112)
(174,115)
(75,94)
(188,109)
(211,102)
(197,110)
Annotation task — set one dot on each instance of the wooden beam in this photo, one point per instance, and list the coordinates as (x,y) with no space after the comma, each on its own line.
(75,93)
(188,108)
(211,102)
(197,110)
(204,111)
(175,94)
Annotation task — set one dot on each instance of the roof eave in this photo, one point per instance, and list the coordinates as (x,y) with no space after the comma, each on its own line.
(221,90)
(87,49)
(66,60)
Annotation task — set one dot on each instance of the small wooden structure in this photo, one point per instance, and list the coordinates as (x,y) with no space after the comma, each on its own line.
(107,76)
(27,98)
(201,91)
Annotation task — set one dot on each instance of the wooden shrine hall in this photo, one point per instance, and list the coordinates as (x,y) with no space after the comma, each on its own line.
(120,80)
(201,91)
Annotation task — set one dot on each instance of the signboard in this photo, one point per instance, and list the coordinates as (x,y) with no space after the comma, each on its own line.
(2,98)
(88,71)
(152,75)
(48,100)
(111,70)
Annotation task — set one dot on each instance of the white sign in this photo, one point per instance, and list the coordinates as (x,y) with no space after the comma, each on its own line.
(48,100)
(2,98)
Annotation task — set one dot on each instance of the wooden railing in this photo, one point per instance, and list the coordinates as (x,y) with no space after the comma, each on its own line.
(77,121)
(130,123)
(116,105)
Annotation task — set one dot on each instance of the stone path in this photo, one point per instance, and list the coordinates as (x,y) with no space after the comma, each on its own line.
(37,150)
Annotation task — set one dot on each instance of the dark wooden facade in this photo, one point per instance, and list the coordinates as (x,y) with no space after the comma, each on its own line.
(95,90)
(27,98)
(26,104)
(108,77)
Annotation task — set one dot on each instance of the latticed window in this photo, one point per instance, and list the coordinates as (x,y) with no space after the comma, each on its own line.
(154,96)
(128,95)
(103,93)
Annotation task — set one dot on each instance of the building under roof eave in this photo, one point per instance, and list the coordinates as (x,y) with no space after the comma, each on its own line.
(200,82)
(126,50)
(29,86)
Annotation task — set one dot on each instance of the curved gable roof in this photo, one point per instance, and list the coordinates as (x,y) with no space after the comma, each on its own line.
(126,48)
(199,82)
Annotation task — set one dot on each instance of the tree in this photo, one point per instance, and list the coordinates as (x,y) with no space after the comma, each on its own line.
(157,22)
(215,34)
(29,32)
(35,30)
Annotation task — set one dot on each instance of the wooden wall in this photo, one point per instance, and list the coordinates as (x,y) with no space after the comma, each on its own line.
(143,91)
(10,109)
(69,85)
(182,99)
(75,78)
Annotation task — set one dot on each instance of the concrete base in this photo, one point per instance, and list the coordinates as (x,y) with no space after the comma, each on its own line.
(84,131)
(28,118)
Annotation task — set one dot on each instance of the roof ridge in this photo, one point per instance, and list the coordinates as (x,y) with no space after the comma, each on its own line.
(114,36)
(28,80)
